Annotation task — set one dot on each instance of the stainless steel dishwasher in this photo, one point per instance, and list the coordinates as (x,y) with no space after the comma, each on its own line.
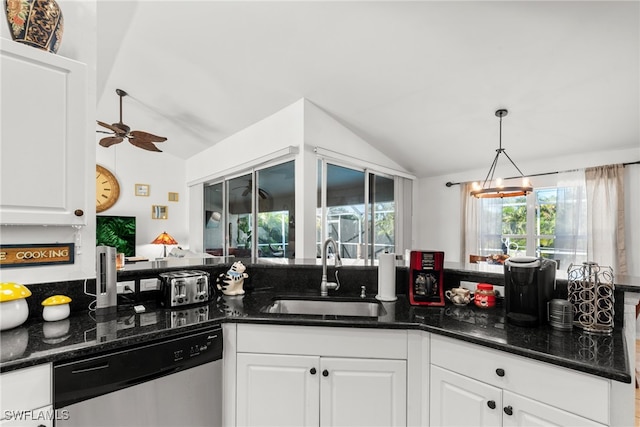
(173,382)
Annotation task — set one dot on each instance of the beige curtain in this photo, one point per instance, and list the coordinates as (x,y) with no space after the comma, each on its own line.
(469,223)
(605,216)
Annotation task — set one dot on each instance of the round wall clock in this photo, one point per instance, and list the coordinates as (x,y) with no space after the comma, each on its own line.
(107,189)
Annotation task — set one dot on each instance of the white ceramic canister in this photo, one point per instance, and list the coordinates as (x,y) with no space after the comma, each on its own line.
(14,310)
(56,307)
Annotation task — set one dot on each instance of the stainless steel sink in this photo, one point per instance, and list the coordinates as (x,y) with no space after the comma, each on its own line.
(326,307)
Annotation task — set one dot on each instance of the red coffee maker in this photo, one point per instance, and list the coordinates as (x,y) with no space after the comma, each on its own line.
(426,278)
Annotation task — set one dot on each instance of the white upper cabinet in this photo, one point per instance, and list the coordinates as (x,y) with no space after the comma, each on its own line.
(43,137)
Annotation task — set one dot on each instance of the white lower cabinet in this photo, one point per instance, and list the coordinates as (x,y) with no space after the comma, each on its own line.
(457,400)
(277,390)
(475,386)
(362,392)
(521,411)
(26,398)
(319,387)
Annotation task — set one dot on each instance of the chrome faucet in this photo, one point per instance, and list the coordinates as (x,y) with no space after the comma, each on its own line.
(324,285)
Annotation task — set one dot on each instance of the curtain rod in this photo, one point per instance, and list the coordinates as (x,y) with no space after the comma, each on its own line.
(450,184)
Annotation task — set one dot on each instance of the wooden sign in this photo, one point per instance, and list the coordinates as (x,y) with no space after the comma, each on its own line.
(36,254)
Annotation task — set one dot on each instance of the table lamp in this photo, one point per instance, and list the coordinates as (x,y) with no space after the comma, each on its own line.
(164,239)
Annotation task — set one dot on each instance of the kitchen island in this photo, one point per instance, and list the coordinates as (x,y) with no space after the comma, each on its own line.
(596,357)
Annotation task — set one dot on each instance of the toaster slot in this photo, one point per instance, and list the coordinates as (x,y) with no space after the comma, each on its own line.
(179,290)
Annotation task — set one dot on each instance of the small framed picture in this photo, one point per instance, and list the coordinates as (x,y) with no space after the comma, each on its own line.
(173,197)
(159,212)
(142,189)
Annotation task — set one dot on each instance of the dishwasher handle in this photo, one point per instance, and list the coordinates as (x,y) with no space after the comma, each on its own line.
(90,369)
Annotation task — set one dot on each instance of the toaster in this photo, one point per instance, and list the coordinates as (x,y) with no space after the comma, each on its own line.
(186,287)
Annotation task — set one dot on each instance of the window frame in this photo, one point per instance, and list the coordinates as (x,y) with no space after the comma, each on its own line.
(225,181)
(368,220)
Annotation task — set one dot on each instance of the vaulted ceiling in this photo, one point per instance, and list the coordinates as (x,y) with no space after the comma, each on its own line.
(419,80)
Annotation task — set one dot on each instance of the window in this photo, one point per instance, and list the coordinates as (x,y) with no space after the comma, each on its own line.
(360,211)
(262,200)
(547,223)
(276,211)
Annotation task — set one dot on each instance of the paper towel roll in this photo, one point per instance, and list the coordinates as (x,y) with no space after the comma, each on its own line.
(387,277)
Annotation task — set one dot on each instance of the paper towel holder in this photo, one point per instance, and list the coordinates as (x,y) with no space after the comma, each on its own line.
(387,277)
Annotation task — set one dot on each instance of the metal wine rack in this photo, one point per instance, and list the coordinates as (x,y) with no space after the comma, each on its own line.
(591,289)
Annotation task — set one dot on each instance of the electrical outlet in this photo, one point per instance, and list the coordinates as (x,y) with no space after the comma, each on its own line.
(128,287)
(149,284)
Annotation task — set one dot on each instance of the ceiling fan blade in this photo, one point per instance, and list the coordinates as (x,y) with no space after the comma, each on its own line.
(110,140)
(119,129)
(264,194)
(146,136)
(145,145)
(108,126)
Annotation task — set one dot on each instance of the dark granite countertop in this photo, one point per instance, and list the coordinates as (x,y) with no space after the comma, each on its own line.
(82,334)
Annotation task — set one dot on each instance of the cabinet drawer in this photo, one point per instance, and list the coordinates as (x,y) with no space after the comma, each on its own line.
(25,389)
(563,388)
(322,341)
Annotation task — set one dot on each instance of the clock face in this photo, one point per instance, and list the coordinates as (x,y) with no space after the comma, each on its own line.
(107,189)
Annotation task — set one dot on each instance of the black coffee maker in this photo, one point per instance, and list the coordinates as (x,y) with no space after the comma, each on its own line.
(529,284)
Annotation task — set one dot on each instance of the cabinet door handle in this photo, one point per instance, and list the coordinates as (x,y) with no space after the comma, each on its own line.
(78,212)
(312,371)
(325,373)
(508,410)
(500,372)
(491,404)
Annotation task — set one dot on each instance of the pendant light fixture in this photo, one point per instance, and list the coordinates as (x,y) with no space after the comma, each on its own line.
(493,189)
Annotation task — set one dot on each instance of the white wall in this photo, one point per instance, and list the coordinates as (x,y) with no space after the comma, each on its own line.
(78,43)
(282,129)
(163,173)
(437,220)
(322,130)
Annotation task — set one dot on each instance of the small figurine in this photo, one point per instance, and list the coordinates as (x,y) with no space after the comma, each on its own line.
(232,281)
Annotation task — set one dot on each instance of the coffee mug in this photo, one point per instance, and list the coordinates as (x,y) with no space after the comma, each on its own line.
(458,296)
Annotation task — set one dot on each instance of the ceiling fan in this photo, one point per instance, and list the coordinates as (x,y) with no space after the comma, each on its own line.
(120,131)
(264,194)
(265,201)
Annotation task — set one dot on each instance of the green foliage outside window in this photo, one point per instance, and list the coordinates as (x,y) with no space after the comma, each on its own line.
(271,240)
(514,220)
